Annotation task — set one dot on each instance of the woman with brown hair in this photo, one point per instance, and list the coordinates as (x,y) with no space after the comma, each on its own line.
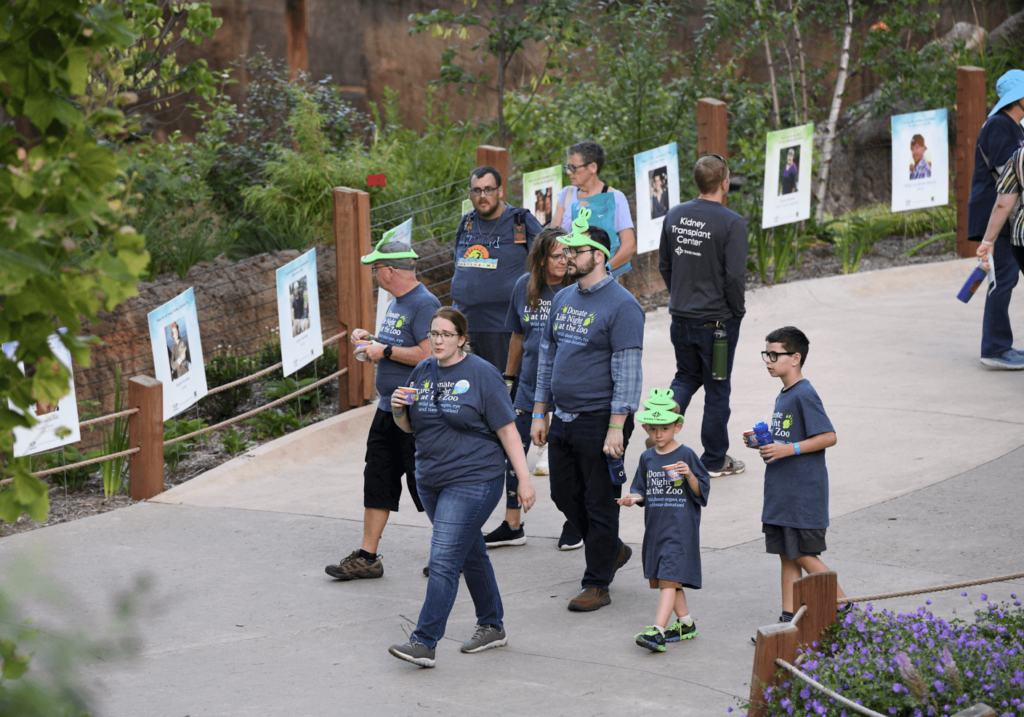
(527,314)
(462,420)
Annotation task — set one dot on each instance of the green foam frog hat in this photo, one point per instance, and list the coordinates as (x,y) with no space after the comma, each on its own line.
(580,227)
(401,250)
(660,408)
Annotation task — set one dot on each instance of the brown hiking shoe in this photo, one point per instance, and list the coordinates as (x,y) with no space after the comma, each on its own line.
(590,599)
(355,568)
(730,468)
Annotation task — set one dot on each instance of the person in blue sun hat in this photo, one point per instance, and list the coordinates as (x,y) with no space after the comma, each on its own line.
(999,138)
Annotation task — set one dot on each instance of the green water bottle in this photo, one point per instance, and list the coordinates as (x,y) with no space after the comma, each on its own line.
(720,354)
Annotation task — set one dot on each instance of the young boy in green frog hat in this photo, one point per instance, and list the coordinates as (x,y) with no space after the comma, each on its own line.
(672,485)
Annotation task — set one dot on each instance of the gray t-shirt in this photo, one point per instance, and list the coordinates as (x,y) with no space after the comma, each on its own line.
(703,260)
(474,398)
(528,321)
(406,324)
(796,488)
(671,516)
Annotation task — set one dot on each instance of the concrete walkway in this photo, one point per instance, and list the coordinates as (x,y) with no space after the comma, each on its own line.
(925,485)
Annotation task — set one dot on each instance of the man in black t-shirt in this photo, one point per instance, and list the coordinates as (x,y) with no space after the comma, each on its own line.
(999,138)
(703,260)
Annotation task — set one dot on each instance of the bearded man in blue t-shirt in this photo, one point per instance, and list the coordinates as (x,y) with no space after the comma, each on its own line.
(589,365)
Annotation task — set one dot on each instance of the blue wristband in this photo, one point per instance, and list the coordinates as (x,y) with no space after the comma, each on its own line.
(539,415)
(796,446)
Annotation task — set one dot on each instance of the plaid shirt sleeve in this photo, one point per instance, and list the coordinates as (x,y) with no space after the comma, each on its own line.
(627,380)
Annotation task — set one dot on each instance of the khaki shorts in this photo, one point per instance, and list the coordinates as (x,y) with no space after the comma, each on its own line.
(657,584)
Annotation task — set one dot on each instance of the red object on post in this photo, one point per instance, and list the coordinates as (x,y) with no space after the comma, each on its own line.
(376,180)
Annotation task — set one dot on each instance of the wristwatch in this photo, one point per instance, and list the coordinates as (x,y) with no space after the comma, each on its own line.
(387,351)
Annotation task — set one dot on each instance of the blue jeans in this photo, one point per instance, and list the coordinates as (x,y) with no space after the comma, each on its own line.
(458,513)
(996,333)
(693,341)
(523,423)
(582,488)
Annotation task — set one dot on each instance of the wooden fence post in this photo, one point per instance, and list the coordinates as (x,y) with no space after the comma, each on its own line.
(818,592)
(355,290)
(295,17)
(146,432)
(712,128)
(496,157)
(970,116)
(773,641)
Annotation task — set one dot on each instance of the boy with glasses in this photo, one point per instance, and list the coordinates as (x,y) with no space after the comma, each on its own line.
(795,513)
(491,246)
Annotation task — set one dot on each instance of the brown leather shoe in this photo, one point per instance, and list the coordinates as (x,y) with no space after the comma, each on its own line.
(625,553)
(590,599)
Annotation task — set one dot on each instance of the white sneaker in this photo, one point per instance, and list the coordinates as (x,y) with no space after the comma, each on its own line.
(542,468)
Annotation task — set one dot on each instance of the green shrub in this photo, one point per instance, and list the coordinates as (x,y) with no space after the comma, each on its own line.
(73,478)
(274,422)
(221,369)
(234,442)
(182,427)
(282,387)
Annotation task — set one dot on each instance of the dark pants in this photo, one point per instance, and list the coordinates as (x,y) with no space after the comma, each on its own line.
(582,488)
(523,422)
(693,341)
(390,454)
(996,333)
(492,348)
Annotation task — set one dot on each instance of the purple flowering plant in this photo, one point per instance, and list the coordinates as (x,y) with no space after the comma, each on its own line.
(912,664)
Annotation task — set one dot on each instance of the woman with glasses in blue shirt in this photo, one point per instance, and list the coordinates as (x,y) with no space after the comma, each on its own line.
(462,419)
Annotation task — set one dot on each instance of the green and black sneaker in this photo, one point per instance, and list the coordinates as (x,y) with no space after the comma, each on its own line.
(678,631)
(652,639)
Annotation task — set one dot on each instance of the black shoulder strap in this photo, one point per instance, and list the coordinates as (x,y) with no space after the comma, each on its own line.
(436,398)
(604,190)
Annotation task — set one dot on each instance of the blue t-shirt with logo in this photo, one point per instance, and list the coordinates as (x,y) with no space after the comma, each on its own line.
(474,398)
(406,324)
(671,516)
(488,261)
(586,328)
(528,321)
(796,488)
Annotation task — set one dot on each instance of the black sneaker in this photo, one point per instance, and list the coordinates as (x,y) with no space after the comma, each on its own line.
(678,631)
(652,639)
(355,567)
(504,534)
(621,559)
(570,538)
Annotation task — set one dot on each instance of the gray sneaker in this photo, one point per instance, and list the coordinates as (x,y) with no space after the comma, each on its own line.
(415,652)
(486,637)
(730,468)
(1010,359)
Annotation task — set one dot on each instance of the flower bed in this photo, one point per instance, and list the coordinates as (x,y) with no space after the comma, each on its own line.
(913,665)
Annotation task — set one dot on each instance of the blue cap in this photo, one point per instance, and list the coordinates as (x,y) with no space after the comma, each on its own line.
(1010,88)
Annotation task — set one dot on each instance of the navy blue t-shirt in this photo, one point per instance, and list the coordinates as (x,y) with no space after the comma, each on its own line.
(587,328)
(406,324)
(796,488)
(528,321)
(999,137)
(671,516)
(488,261)
(474,398)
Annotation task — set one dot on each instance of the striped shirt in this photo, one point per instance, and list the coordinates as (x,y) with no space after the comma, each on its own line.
(1011,181)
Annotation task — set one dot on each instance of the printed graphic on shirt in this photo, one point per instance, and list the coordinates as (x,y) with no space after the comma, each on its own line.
(448,396)
(571,325)
(477,257)
(662,492)
(390,329)
(539,314)
(781,424)
(690,235)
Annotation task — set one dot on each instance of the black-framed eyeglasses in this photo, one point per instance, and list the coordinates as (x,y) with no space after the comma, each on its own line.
(773,356)
(559,256)
(571,168)
(718,157)
(376,268)
(446,335)
(486,191)
(574,251)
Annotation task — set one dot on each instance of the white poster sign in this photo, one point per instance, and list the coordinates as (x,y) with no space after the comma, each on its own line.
(920,160)
(298,313)
(467,206)
(403,232)
(178,353)
(539,190)
(787,176)
(657,189)
(53,419)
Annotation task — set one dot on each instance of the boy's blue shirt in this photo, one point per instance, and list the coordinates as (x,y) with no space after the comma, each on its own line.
(796,488)
(671,516)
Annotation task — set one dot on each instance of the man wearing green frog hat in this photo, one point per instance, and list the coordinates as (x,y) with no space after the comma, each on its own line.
(400,344)
(589,366)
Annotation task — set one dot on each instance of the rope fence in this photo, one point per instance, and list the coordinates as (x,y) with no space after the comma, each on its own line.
(922,591)
(91,461)
(249,414)
(108,417)
(264,372)
(804,677)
